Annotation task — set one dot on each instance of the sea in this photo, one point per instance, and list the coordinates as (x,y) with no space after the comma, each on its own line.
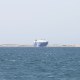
(46,63)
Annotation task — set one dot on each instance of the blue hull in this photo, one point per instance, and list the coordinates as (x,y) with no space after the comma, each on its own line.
(41,44)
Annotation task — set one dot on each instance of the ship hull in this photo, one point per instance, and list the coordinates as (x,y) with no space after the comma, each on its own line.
(41,44)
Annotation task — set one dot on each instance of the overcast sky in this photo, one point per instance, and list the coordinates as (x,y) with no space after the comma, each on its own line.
(23,21)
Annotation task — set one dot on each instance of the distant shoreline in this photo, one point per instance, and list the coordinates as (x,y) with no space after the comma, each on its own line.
(27,45)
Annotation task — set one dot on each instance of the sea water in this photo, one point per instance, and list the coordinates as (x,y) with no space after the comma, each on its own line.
(39,63)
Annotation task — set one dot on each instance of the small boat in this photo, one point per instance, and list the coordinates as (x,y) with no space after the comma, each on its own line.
(40,43)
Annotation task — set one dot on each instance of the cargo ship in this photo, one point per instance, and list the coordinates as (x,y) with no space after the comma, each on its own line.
(40,43)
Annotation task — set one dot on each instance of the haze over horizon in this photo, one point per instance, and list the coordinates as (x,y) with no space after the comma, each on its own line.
(23,21)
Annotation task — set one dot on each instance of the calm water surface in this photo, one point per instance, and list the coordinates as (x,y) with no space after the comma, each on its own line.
(39,63)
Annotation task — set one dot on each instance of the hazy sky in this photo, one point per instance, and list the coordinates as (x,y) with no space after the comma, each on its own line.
(23,21)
